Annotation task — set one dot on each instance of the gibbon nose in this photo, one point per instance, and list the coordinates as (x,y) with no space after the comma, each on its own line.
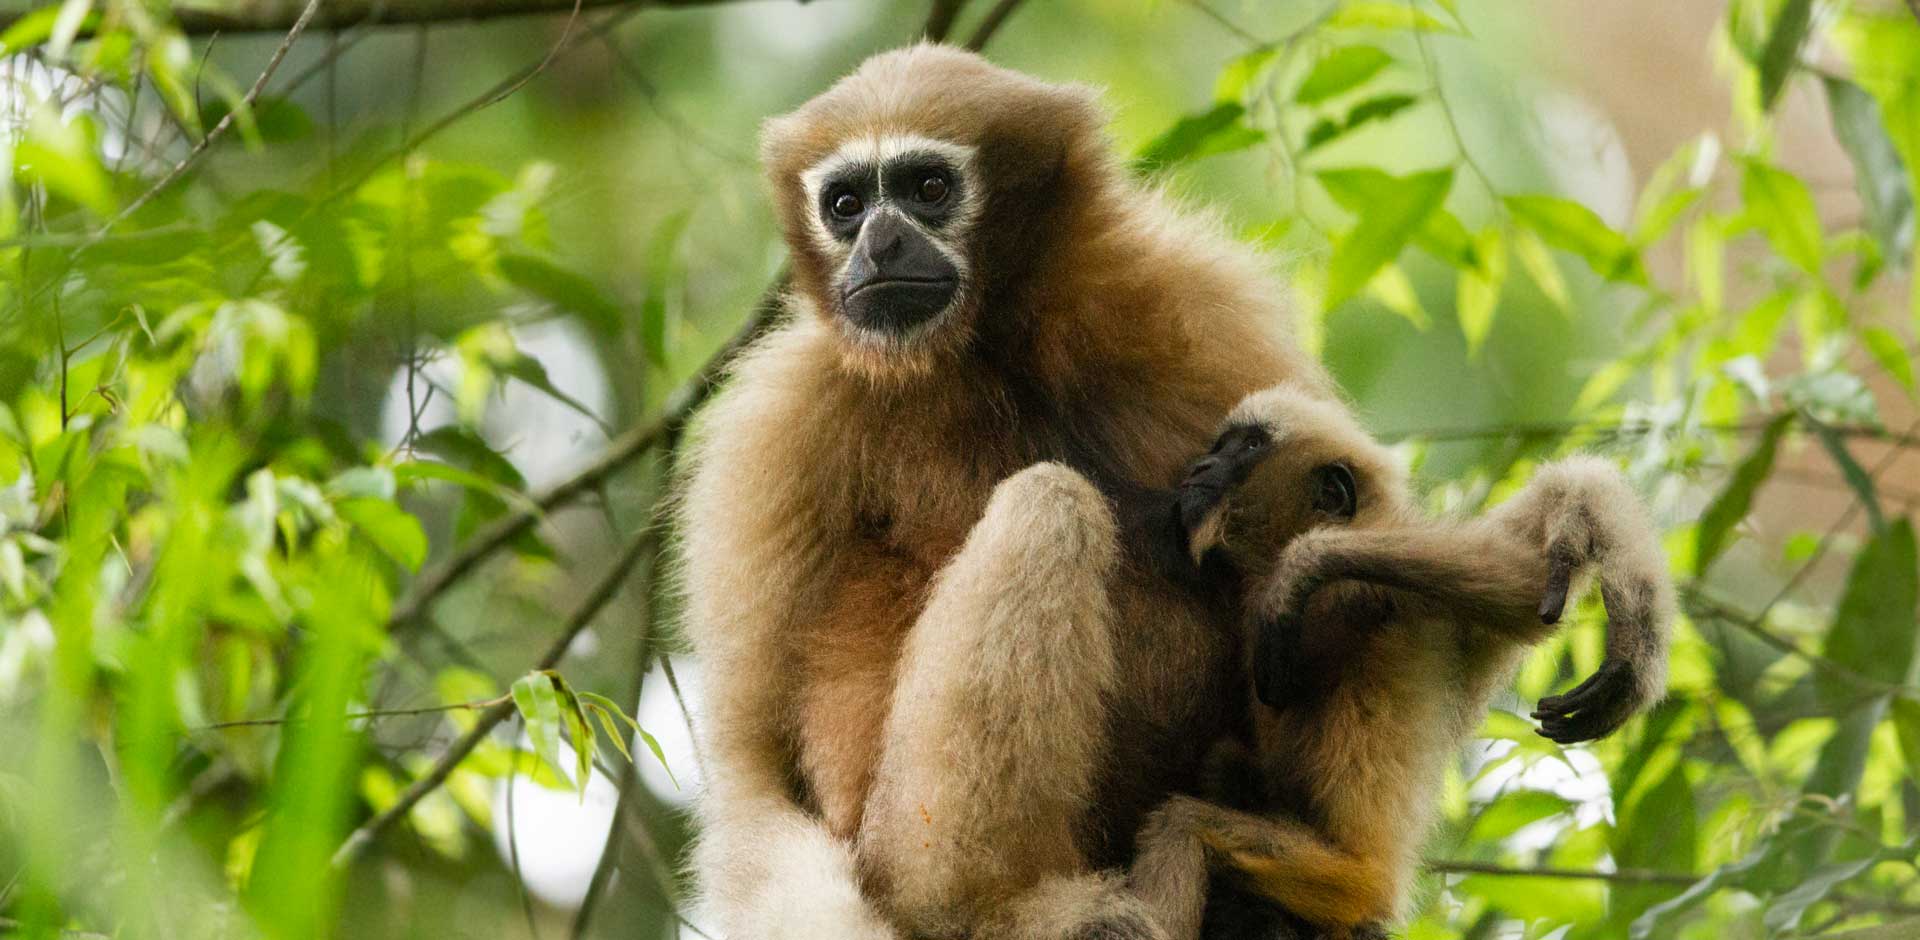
(897,277)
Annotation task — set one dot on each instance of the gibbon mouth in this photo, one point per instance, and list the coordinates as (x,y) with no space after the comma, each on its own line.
(898,304)
(901,282)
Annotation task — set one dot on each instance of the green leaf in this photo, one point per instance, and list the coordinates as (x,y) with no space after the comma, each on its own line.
(1341,71)
(607,705)
(1214,131)
(653,313)
(1659,920)
(73,13)
(1782,51)
(60,155)
(1327,130)
(1240,74)
(539,706)
(1540,266)
(529,370)
(1906,725)
(1850,470)
(276,119)
(391,529)
(1514,811)
(1479,289)
(579,731)
(561,287)
(1384,14)
(1878,172)
(1572,227)
(1655,831)
(1383,230)
(1784,209)
(1891,353)
(1358,189)
(1392,288)
(1873,630)
(1786,909)
(1736,500)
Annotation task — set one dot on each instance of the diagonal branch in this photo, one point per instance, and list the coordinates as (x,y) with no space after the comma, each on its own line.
(275,16)
(602,591)
(219,130)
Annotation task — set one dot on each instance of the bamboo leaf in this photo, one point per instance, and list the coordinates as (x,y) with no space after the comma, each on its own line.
(1782,51)
(1214,131)
(539,708)
(1733,503)
(1879,174)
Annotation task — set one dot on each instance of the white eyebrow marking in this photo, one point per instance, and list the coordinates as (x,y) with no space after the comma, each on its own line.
(880,149)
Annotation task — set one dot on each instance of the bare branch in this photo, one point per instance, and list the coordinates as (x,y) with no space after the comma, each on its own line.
(995,18)
(940,19)
(219,130)
(1625,875)
(272,16)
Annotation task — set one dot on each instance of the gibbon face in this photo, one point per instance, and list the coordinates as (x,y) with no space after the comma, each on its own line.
(921,189)
(1285,462)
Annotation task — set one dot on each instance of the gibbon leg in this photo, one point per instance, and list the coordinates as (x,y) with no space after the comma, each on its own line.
(1279,858)
(997,725)
(1586,518)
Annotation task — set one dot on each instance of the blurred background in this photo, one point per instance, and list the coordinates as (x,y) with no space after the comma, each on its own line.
(344,348)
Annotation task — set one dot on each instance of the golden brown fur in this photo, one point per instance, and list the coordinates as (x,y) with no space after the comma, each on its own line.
(1386,637)
(917,670)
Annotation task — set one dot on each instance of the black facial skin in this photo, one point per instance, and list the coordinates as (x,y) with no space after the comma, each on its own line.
(1209,479)
(897,277)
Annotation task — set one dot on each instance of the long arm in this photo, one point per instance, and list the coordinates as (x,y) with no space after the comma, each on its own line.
(1510,574)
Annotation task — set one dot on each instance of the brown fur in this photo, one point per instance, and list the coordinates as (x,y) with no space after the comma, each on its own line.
(854,644)
(1407,627)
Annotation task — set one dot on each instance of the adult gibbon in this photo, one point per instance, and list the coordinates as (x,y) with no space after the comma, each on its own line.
(1381,637)
(942,695)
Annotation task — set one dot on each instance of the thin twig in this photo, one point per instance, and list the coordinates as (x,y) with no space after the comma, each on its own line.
(1625,875)
(991,23)
(369,715)
(219,130)
(273,17)
(940,19)
(596,598)
(623,450)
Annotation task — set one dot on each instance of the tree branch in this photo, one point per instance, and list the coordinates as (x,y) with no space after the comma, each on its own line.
(272,16)
(1625,875)
(995,18)
(624,449)
(299,25)
(603,591)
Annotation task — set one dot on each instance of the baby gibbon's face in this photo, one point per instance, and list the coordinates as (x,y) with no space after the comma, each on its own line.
(1285,462)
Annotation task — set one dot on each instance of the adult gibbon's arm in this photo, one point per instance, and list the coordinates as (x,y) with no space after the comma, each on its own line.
(756,550)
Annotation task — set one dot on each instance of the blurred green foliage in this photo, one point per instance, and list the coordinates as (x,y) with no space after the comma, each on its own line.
(257,422)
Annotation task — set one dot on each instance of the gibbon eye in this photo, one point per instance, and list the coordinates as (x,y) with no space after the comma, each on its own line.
(847,205)
(933,188)
(1334,492)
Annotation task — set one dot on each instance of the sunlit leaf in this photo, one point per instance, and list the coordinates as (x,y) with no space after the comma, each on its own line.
(1541,267)
(1572,227)
(1479,288)
(1383,230)
(1891,352)
(1341,71)
(391,529)
(1515,811)
(539,706)
(1783,207)
(1384,14)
